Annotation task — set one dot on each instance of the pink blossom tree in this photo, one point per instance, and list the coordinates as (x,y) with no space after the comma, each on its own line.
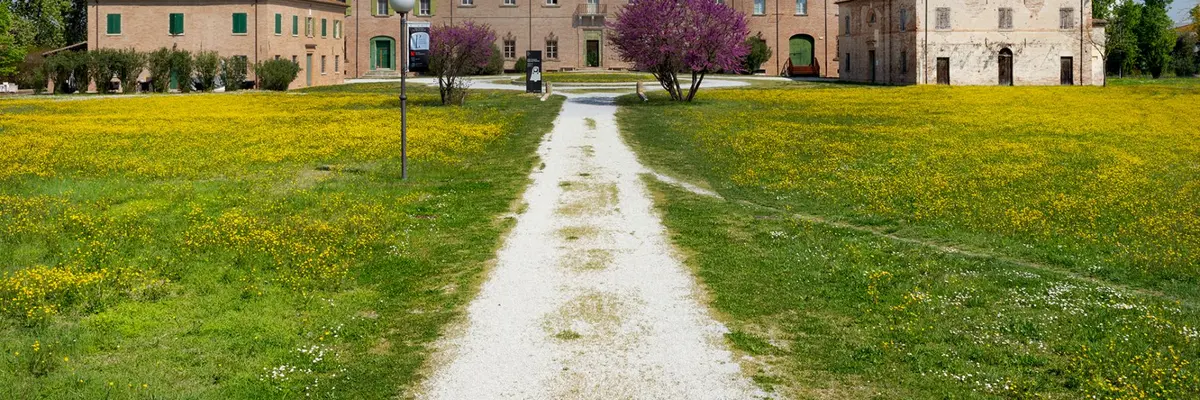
(666,37)
(456,51)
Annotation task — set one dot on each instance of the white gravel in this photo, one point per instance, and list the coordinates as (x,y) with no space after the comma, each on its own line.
(587,300)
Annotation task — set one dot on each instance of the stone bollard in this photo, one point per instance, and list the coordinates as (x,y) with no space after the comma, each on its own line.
(549,90)
(641,91)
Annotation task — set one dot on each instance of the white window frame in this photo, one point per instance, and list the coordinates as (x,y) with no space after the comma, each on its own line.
(760,7)
(552,44)
(425,7)
(801,7)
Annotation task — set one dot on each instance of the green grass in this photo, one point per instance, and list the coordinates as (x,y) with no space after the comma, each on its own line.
(834,266)
(1144,81)
(225,281)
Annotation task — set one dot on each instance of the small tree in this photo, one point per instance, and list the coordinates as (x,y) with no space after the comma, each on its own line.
(128,66)
(1156,37)
(233,72)
(457,51)
(495,64)
(159,63)
(759,53)
(101,65)
(182,67)
(520,65)
(69,70)
(208,66)
(11,52)
(665,37)
(276,74)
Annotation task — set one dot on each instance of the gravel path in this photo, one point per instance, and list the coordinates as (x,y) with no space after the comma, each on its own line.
(588,300)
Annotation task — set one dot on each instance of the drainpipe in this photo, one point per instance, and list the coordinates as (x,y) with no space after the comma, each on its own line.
(777,48)
(256,40)
(357,32)
(1081,42)
(925,68)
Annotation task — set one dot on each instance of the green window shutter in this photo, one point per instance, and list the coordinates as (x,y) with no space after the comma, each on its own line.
(295,25)
(239,23)
(432,7)
(278,24)
(176,24)
(324,27)
(114,24)
(349,7)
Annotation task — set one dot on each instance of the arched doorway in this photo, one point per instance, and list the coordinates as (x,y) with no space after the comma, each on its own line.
(800,56)
(383,53)
(1006,67)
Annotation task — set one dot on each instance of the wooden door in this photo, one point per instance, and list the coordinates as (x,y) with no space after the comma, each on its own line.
(871,64)
(1068,71)
(593,53)
(308,70)
(943,71)
(1006,67)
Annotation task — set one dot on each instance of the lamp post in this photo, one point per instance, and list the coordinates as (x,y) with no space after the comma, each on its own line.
(403,7)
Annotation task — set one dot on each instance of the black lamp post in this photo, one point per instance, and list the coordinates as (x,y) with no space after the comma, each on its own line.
(403,7)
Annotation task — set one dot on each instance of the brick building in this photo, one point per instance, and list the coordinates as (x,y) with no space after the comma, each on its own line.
(572,33)
(309,32)
(971,42)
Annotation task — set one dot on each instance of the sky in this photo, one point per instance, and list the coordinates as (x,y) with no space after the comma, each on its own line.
(1179,11)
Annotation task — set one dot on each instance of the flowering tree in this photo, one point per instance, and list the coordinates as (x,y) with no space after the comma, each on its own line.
(457,51)
(665,37)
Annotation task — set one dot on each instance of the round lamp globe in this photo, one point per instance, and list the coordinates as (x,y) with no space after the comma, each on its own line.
(402,6)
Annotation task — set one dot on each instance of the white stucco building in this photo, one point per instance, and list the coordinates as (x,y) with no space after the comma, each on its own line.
(970,42)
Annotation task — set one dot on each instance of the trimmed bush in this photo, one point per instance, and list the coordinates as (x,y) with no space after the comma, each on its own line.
(159,62)
(128,65)
(495,64)
(208,66)
(101,68)
(520,65)
(182,66)
(276,74)
(233,72)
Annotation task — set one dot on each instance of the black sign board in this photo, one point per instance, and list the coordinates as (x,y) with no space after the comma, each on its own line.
(418,48)
(533,71)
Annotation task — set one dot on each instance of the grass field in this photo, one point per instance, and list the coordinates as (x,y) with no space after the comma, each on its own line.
(253,245)
(928,242)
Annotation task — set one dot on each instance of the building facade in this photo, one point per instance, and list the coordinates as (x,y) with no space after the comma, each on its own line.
(572,34)
(308,32)
(970,42)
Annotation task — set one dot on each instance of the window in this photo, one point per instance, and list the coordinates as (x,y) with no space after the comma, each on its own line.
(1066,18)
(1006,18)
(872,18)
(239,23)
(322,65)
(337,29)
(381,7)
(760,7)
(510,48)
(337,62)
(295,25)
(176,27)
(552,2)
(904,62)
(943,18)
(801,7)
(468,2)
(510,2)
(308,27)
(114,24)
(552,49)
(903,19)
(424,7)
(847,62)
(295,60)
(278,24)
(276,56)
(846,25)
(324,27)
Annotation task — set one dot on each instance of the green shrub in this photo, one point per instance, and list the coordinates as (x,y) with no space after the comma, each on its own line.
(128,65)
(276,74)
(32,73)
(208,65)
(520,65)
(233,72)
(64,66)
(495,63)
(182,66)
(159,63)
(101,68)
(759,53)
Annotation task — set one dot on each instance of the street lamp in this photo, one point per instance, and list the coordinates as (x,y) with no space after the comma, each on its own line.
(403,7)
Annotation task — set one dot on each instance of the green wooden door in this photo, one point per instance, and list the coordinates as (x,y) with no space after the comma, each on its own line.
(801,47)
(308,70)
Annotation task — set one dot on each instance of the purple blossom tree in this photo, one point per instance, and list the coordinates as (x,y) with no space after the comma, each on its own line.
(666,37)
(456,51)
